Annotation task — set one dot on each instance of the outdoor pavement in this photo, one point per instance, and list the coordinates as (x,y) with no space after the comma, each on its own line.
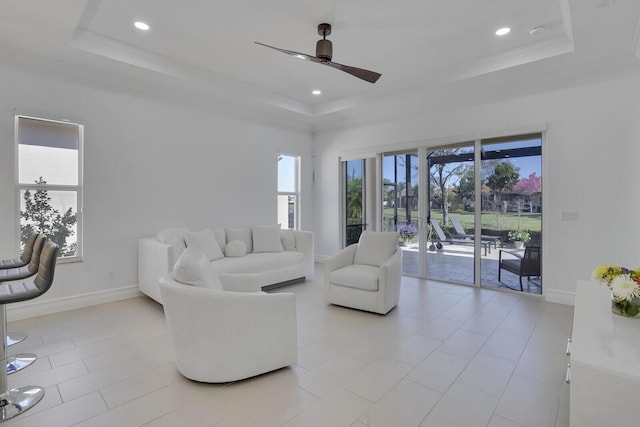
(454,263)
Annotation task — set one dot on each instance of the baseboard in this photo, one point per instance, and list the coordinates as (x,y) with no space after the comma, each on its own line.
(560,297)
(35,307)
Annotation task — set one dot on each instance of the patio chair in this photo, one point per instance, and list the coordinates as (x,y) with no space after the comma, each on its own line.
(527,264)
(460,233)
(442,238)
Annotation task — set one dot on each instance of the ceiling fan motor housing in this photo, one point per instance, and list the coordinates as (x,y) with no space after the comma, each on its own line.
(324,49)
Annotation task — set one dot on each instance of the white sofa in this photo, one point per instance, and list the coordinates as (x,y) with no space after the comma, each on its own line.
(292,263)
(224,328)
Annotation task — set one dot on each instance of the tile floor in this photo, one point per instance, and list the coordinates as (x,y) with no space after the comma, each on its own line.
(446,356)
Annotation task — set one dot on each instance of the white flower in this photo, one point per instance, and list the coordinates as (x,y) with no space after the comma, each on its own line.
(624,288)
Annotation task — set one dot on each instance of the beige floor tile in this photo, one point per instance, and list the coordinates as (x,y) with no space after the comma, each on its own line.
(414,349)
(478,408)
(483,324)
(66,414)
(463,343)
(542,365)
(330,376)
(498,421)
(144,409)
(440,328)
(79,353)
(487,373)
(438,371)
(504,346)
(530,402)
(406,405)
(140,385)
(50,377)
(375,380)
(318,353)
(340,408)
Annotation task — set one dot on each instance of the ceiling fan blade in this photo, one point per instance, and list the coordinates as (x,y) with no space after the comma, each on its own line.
(369,76)
(292,53)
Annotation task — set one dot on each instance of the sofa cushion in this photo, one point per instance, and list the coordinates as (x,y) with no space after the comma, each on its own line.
(288,239)
(235,248)
(363,277)
(221,237)
(266,238)
(243,234)
(193,268)
(259,262)
(206,241)
(374,248)
(173,237)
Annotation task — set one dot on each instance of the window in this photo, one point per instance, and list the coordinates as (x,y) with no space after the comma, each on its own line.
(49,166)
(289,191)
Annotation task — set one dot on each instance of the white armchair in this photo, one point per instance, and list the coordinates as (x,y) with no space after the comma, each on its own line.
(367,274)
(222,336)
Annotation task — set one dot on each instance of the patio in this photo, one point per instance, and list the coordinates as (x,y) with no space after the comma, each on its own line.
(454,263)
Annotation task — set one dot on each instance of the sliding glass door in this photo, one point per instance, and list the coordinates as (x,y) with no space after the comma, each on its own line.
(484,213)
(355,220)
(400,174)
(451,253)
(468,213)
(512,210)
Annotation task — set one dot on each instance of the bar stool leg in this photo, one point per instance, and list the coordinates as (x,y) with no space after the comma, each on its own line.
(15,338)
(16,400)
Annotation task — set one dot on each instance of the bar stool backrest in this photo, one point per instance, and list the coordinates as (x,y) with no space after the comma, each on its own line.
(44,278)
(27,252)
(38,246)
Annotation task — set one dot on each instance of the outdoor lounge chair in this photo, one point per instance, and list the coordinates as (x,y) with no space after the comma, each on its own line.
(461,234)
(442,238)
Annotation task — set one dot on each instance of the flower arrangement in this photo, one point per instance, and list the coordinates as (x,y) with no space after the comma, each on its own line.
(624,285)
(519,236)
(407,231)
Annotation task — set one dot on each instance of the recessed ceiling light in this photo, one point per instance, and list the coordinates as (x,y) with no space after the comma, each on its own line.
(141,25)
(503,31)
(316,92)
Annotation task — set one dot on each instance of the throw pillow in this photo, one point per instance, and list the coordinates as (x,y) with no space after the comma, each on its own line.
(173,237)
(266,238)
(235,248)
(206,241)
(193,268)
(374,247)
(288,239)
(242,234)
(221,237)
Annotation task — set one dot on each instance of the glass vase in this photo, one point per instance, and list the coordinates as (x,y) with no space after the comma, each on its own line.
(626,308)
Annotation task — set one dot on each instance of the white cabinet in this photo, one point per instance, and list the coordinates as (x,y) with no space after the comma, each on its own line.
(605,362)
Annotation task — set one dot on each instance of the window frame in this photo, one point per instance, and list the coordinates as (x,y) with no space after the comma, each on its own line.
(77,188)
(296,193)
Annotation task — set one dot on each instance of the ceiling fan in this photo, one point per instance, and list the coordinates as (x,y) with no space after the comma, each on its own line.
(324,52)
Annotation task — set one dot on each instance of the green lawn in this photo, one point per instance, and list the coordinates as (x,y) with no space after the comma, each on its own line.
(490,221)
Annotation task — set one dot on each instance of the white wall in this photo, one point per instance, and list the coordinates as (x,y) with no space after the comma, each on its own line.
(590,166)
(148,165)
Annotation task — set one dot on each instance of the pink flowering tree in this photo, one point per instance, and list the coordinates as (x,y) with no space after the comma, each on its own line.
(529,186)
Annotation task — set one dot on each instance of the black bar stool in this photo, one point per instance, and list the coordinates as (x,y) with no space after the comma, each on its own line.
(18,400)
